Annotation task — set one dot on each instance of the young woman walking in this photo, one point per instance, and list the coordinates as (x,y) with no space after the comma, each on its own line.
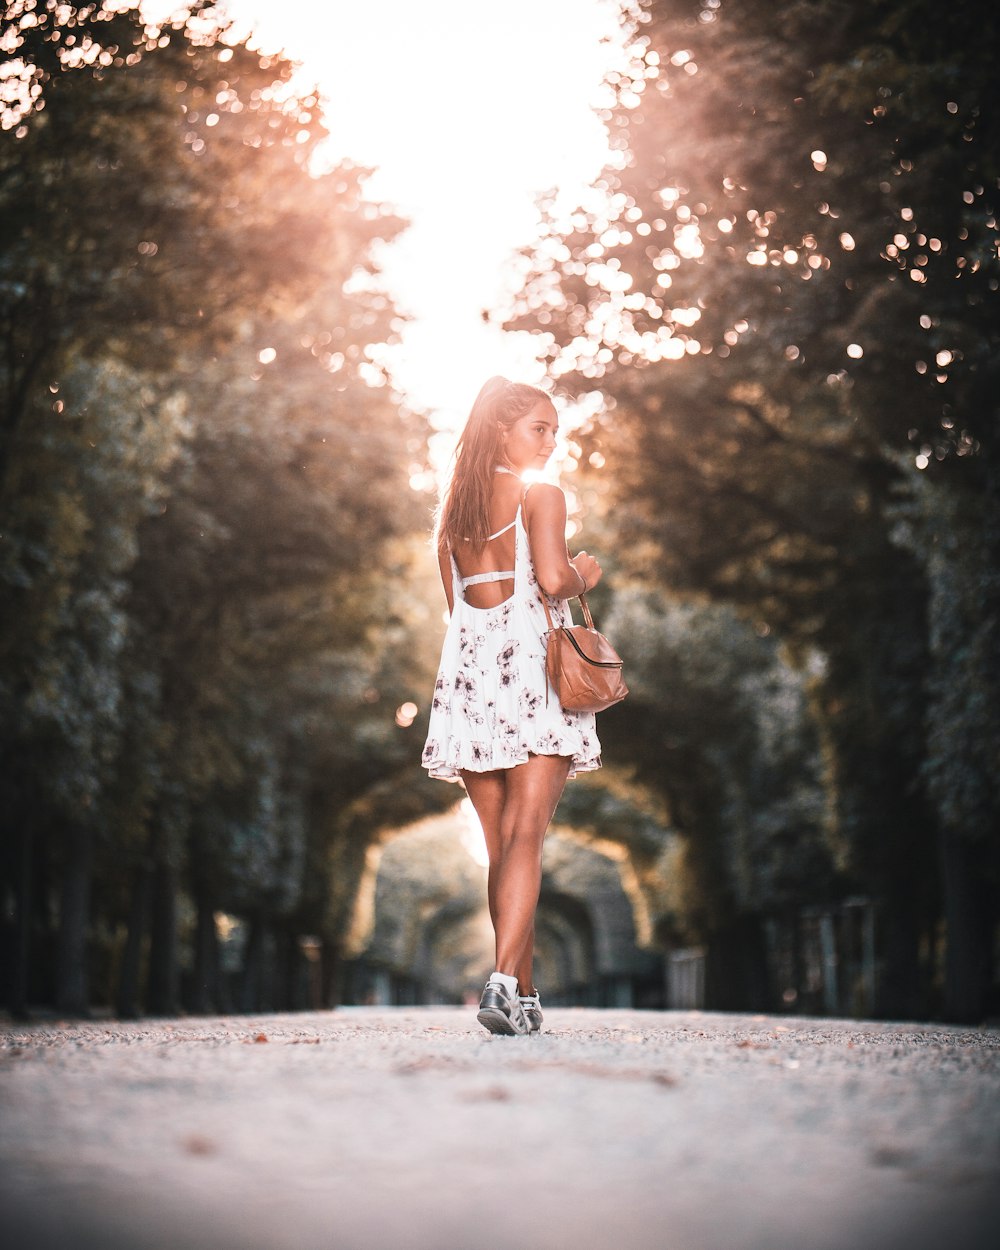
(495,725)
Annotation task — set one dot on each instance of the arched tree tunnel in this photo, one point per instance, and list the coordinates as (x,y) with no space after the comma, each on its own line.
(421,929)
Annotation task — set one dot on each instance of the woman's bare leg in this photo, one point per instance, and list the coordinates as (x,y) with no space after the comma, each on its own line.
(515,827)
(533,790)
(488,792)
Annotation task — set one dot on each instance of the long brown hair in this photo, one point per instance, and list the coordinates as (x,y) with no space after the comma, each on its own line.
(465,507)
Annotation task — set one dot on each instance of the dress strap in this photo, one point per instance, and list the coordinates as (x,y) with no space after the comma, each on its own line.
(477,579)
(503,531)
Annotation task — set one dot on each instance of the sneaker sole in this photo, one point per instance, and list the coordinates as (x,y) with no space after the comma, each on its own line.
(495,1021)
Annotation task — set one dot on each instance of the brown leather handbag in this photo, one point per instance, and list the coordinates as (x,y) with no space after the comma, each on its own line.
(583,668)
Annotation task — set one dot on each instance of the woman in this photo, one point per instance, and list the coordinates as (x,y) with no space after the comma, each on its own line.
(494,723)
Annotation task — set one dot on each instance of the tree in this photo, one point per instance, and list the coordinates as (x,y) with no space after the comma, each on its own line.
(719,725)
(785,290)
(203,486)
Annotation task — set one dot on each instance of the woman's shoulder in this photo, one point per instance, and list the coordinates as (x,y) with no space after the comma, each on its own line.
(544,495)
(544,508)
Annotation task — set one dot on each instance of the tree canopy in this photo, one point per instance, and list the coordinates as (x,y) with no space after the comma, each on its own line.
(785,290)
(203,494)
(780,300)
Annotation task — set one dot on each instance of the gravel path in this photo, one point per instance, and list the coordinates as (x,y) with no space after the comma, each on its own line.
(411,1129)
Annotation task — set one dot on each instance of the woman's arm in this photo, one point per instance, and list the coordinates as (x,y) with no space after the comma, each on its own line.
(444,564)
(558,575)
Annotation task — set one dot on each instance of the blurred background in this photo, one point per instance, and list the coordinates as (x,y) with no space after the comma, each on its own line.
(256,260)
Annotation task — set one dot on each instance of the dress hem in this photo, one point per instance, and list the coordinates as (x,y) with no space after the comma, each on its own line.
(440,771)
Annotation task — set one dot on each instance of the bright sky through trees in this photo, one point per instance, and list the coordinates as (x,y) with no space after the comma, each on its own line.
(468,111)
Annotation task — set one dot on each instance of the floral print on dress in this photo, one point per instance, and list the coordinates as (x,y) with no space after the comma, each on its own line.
(501,621)
(465,686)
(550,743)
(508,654)
(440,701)
(530,701)
(468,645)
(507,731)
(506,663)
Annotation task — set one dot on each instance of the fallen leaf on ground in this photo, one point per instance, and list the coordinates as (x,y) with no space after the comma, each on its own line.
(492,1093)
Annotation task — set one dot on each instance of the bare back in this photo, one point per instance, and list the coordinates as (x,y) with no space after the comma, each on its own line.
(498,553)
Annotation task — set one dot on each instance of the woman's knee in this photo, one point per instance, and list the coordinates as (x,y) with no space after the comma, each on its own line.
(523,829)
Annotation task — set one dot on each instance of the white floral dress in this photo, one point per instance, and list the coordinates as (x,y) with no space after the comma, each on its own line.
(492,707)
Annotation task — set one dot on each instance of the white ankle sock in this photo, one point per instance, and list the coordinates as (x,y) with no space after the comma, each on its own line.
(509,983)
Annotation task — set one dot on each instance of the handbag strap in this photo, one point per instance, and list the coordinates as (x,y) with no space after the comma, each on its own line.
(582,596)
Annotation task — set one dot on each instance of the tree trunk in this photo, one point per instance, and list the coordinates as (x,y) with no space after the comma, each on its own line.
(205,997)
(902,986)
(163,963)
(23,875)
(288,964)
(72,989)
(129,1003)
(969,919)
(331,966)
(736,968)
(253,968)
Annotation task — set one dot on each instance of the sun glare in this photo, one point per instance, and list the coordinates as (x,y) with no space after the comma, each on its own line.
(472,834)
(465,113)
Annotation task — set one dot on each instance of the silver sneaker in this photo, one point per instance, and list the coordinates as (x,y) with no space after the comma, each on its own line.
(501,1012)
(532,1008)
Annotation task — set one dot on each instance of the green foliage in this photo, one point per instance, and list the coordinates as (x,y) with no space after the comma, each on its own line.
(785,289)
(959,554)
(203,492)
(719,724)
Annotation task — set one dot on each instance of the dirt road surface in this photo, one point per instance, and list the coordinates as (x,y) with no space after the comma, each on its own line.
(412,1129)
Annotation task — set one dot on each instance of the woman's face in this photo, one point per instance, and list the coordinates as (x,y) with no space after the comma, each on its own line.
(528,443)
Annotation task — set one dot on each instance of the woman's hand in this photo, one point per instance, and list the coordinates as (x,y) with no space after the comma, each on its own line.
(589,570)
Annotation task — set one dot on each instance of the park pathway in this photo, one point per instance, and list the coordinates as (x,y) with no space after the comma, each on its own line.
(411,1129)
